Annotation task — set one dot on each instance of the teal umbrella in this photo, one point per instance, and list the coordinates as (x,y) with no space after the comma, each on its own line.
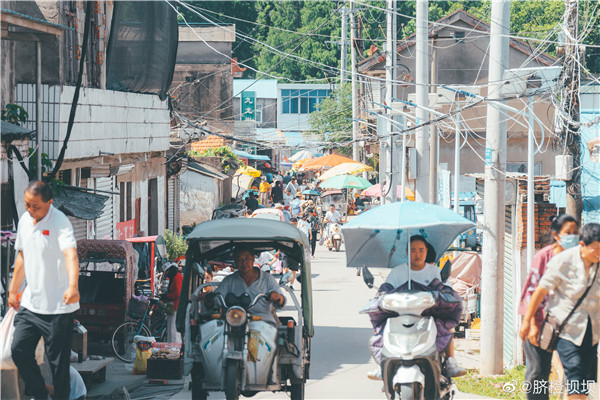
(346,182)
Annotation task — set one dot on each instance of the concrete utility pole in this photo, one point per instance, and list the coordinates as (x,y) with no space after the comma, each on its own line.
(570,129)
(355,147)
(492,277)
(344,55)
(422,81)
(390,78)
(433,139)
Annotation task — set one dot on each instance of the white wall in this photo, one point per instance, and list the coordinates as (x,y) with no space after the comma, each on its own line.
(294,122)
(106,121)
(197,197)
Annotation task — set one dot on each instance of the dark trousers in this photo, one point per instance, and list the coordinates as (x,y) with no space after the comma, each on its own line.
(57,331)
(538,367)
(313,242)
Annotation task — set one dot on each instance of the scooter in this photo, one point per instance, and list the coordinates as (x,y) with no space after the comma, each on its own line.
(334,239)
(239,353)
(411,366)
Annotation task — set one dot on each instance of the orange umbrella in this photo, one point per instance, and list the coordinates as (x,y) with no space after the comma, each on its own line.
(328,161)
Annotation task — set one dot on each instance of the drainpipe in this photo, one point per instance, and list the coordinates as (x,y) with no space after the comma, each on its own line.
(38,106)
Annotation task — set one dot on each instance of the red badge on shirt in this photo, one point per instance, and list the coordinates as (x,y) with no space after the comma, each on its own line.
(46,232)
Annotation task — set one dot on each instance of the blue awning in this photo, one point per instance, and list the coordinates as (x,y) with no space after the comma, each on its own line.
(249,156)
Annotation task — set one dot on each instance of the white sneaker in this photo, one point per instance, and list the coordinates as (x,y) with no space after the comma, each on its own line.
(375,374)
(453,369)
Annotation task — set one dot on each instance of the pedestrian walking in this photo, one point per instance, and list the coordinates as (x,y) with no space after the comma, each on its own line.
(287,198)
(265,191)
(539,362)
(47,261)
(314,228)
(277,192)
(304,225)
(172,298)
(573,308)
(292,186)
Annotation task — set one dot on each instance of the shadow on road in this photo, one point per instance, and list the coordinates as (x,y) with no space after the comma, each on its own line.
(330,345)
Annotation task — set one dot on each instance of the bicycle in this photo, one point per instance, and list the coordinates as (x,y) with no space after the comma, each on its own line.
(122,339)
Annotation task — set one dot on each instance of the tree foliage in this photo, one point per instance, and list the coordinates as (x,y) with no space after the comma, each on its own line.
(311,29)
(229,159)
(333,117)
(176,245)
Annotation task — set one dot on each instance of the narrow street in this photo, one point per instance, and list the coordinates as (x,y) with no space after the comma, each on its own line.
(340,356)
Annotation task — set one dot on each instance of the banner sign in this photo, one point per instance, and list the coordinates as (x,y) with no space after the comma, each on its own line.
(125,229)
(248,106)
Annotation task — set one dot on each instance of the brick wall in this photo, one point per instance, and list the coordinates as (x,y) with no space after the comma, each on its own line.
(542,213)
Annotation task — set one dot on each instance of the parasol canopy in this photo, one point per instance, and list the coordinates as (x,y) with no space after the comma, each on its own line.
(247,170)
(379,237)
(352,168)
(301,155)
(375,191)
(328,161)
(346,182)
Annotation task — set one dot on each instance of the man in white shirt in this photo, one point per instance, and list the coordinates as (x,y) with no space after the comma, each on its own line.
(332,216)
(292,186)
(47,260)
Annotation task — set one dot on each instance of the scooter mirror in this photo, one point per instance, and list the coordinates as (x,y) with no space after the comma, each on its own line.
(285,278)
(367,277)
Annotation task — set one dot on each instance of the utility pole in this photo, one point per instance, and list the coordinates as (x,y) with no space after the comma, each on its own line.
(433,139)
(390,78)
(422,81)
(492,277)
(355,147)
(569,133)
(344,55)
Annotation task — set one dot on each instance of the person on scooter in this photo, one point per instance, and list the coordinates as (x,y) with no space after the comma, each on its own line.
(424,272)
(253,281)
(332,216)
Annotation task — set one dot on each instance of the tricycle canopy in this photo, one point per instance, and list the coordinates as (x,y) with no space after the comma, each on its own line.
(214,239)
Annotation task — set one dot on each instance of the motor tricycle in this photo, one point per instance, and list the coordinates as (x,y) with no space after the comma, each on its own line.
(228,348)
(106,283)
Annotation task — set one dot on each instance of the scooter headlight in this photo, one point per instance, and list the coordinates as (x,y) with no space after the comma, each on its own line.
(236,316)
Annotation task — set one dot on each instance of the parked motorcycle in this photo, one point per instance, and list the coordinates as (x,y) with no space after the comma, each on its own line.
(411,366)
(334,236)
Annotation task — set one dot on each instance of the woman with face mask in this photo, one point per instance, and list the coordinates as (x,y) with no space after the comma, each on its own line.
(565,233)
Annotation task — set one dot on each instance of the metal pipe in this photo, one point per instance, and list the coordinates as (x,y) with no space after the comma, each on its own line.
(456,159)
(38,106)
(530,186)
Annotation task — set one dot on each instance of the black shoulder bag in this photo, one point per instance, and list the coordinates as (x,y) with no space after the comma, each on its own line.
(550,328)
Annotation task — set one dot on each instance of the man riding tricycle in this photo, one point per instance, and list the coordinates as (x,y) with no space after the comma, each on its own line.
(248,333)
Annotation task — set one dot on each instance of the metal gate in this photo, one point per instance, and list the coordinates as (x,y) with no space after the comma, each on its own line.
(173,204)
(105,223)
(509,333)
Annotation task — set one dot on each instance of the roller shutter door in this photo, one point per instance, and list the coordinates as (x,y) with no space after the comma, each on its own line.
(173,204)
(105,224)
(79,227)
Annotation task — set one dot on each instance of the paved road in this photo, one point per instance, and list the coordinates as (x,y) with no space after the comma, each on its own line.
(340,356)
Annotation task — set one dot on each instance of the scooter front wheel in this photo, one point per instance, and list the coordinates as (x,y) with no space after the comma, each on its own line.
(232,380)
(297,391)
(410,391)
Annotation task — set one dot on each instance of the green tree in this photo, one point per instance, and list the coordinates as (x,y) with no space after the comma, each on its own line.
(176,245)
(333,117)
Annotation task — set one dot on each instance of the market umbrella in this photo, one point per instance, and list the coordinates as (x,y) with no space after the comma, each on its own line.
(379,237)
(302,155)
(247,170)
(375,191)
(345,169)
(346,182)
(328,161)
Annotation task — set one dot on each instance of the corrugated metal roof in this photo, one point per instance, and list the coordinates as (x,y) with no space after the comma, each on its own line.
(264,88)
(12,131)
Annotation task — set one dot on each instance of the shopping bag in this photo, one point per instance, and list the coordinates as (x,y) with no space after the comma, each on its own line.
(7,330)
(143,351)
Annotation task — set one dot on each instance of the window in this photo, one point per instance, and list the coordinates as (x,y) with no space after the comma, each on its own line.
(302,101)
(258,113)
